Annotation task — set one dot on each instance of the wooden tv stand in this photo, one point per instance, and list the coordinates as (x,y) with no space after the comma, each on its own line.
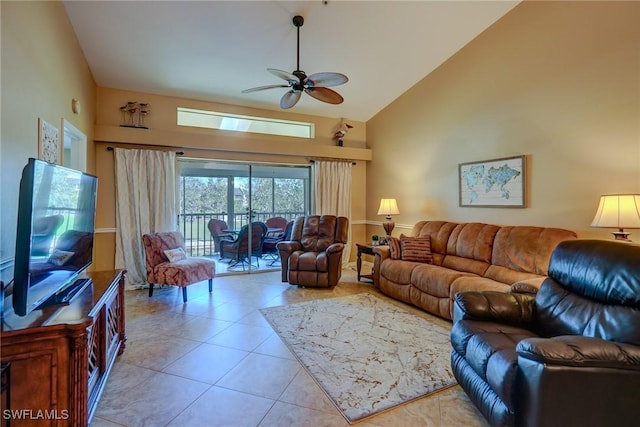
(60,356)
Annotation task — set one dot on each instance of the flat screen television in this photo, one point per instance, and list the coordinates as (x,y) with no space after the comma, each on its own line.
(54,239)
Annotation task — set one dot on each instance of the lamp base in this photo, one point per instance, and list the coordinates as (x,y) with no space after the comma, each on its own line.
(388,227)
(622,236)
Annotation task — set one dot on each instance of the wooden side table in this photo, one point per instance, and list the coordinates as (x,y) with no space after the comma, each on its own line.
(363,249)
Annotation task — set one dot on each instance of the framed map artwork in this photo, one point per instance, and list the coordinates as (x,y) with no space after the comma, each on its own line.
(492,183)
(49,146)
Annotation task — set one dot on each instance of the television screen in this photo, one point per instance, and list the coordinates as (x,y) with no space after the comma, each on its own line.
(54,240)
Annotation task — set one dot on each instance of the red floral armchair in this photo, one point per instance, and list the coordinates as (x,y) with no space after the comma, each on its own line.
(167,263)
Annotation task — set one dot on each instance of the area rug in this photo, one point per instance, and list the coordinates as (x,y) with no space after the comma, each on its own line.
(367,354)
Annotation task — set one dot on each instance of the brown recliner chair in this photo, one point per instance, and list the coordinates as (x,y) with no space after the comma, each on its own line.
(568,356)
(313,255)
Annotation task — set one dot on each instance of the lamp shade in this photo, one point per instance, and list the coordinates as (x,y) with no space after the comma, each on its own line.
(618,211)
(388,207)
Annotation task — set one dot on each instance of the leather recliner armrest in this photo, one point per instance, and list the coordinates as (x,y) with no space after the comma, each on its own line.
(512,309)
(335,248)
(579,351)
(288,246)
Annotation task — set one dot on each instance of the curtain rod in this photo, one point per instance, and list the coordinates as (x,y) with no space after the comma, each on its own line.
(334,160)
(178,153)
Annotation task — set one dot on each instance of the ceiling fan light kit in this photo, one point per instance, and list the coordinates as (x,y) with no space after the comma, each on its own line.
(315,85)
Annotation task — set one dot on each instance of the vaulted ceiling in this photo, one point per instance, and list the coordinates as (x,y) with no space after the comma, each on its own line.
(212,50)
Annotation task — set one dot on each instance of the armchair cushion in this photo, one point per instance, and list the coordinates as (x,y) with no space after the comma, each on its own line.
(183,272)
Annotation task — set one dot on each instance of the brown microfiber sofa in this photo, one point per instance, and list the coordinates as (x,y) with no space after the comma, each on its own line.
(468,257)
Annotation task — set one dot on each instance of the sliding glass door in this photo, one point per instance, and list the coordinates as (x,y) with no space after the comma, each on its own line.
(219,200)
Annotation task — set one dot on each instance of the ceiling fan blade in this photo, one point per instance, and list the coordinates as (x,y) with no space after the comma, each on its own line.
(327,79)
(283,74)
(255,89)
(289,99)
(325,95)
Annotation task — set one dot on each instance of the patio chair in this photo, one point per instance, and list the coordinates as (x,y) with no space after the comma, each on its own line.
(276,222)
(167,263)
(270,249)
(238,249)
(216,228)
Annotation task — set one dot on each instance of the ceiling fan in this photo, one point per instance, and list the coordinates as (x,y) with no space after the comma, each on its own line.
(315,85)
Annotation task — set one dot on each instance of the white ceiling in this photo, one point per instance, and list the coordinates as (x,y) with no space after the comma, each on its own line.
(212,50)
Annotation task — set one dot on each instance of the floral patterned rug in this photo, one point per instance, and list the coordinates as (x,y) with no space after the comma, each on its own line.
(367,354)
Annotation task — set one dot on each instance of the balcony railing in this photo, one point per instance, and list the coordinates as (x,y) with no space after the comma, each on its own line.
(197,238)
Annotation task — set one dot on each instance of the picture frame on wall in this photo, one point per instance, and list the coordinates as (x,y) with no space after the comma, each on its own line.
(49,146)
(495,183)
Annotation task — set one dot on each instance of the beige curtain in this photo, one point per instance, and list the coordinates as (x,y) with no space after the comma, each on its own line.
(146,202)
(333,193)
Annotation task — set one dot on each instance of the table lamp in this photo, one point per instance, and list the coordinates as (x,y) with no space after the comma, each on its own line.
(388,207)
(618,211)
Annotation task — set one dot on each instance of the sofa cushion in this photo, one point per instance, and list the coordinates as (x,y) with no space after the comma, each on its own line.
(435,280)
(508,276)
(527,249)
(439,231)
(465,264)
(417,249)
(472,240)
(476,283)
(397,271)
(433,304)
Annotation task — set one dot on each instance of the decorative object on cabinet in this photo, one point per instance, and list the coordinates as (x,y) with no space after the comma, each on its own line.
(49,147)
(133,114)
(618,211)
(498,183)
(388,207)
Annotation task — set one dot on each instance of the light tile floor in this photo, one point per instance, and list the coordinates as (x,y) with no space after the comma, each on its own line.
(215,361)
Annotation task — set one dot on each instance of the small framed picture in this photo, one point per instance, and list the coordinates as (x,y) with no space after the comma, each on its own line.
(497,183)
(49,146)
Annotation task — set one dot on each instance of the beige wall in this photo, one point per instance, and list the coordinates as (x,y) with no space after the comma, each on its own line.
(556,81)
(43,69)
(213,144)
